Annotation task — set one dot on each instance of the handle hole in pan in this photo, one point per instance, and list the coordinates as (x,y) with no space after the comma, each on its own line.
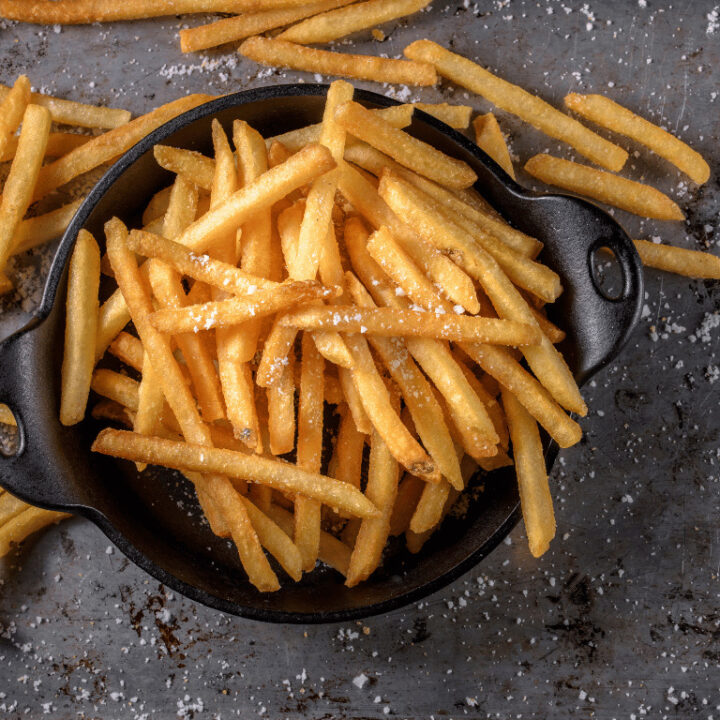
(607,273)
(9,433)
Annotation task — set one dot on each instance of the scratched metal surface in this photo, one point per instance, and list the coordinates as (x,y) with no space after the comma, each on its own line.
(618,620)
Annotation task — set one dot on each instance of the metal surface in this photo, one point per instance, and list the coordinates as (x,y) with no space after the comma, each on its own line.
(619,618)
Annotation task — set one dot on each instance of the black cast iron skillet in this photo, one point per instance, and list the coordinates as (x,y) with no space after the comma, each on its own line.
(152,517)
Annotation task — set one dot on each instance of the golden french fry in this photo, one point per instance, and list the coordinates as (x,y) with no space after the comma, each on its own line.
(23,176)
(85,12)
(429,508)
(332,551)
(12,109)
(535,498)
(511,375)
(309,448)
(194,166)
(303,167)
(634,197)
(335,24)
(59,144)
(242,26)
(6,416)
(381,490)
(237,310)
(346,461)
(80,328)
(391,322)
(399,116)
(42,228)
(517,101)
(681,261)
(609,114)
(128,349)
(551,331)
(151,403)
(415,154)
(68,112)
(157,206)
(489,138)
(241,466)
(275,354)
(113,316)
(456,116)
(280,53)
(406,501)
(109,145)
(24,524)
(281,410)
(10,507)
(114,386)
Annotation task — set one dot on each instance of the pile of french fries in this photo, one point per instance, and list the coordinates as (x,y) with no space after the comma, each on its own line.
(344,270)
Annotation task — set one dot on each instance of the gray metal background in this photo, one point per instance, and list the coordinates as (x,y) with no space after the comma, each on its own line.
(619,620)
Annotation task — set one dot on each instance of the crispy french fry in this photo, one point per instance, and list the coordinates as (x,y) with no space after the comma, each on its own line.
(157,206)
(391,322)
(408,495)
(240,27)
(281,53)
(551,331)
(128,348)
(681,261)
(281,410)
(80,328)
(609,114)
(381,490)
(513,99)
(489,138)
(354,401)
(335,24)
(68,112)
(346,461)
(114,386)
(12,109)
(85,12)
(237,310)
(275,354)
(113,316)
(634,197)
(109,145)
(151,403)
(194,166)
(309,448)
(535,497)
(399,116)
(375,162)
(456,116)
(6,416)
(332,551)
(429,508)
(42,228)
(23,176)
(405,149)
(59,144)
(10,507)
(26,523)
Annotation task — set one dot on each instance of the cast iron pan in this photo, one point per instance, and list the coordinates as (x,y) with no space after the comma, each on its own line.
(152,518)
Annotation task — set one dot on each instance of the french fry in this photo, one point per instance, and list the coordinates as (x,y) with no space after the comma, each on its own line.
(59,144)
(113,316)
(114,386)
(319,203)
(335,24)
(332,551)
(237,310)
(408,494)
(281,410)
(216,493)
(551,331)
(242,26)
(399,116)
(538,402)
(303,167)
(517,101)
(309,449)
(157,206)
(10,507)
(634,197)
(456,116)
(280,53)
(416,541)
(381,490)
(151,403)
(405,149)
(80,328)
(681,261)
(535,498)
(194,166)
(109,145)
(609,114)
(24,524)
(128,349)
(275,354)
(429,508)
(12,109)
(354,401)
(391,322)
(23,176)
(385,420)
(489,137)
(6,416)
(333,390)
(85,12)
(40,229)
(346,461)
(68,112)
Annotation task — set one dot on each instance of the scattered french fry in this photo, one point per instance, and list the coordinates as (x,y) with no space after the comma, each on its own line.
(608,114)
(611,189)
(681,261)
(12,109)
(24,524)
(40,229)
